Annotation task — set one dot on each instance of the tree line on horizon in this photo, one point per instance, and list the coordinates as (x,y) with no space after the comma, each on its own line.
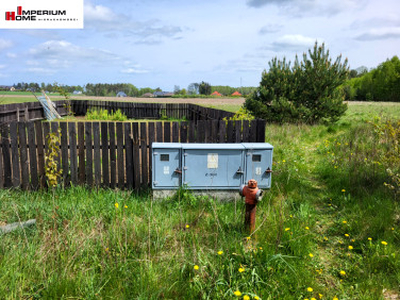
(112,89)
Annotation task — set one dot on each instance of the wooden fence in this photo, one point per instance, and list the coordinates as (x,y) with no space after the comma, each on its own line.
(34,111)
(107,154)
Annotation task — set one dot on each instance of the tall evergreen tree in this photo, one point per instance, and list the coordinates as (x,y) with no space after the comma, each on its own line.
(307,92)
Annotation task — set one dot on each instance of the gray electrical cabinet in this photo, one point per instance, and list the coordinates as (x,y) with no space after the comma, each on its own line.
(210,166)
(167,165)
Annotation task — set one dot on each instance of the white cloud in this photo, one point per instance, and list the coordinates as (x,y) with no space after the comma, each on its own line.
(95,13)
(134,71)
(66,51)
(42,71)
(103,19)
(380,34)
(11,55)
(4,44)
(310,7)
(294,42)
(270,28)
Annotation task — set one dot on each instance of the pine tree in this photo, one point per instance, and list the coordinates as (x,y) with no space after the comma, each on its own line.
(305,93)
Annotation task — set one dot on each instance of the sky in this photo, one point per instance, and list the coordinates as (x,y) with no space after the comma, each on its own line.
(168,43)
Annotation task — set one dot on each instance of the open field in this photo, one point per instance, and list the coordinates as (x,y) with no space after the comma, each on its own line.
(329,228)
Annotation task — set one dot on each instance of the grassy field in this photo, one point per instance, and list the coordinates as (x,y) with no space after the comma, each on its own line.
(329,228)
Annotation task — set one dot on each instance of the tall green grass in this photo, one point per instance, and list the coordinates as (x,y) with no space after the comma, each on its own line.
(328,228)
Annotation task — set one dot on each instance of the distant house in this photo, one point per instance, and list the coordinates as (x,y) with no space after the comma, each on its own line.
(121,94)
(148,95)
(12,89)
(163,94)
(236,94)
(7,88)
(216,93)
(77,92)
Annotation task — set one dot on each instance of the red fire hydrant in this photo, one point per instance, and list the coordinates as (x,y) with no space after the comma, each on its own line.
(252,196)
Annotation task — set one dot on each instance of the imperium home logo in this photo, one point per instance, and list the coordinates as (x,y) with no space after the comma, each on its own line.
(42,14)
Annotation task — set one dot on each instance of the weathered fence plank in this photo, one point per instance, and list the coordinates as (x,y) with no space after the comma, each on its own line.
(135,169)
(81,152)
(120,155)
(23,155)
(32,156)
(113,158)
(104,154)
(97,155)
(64,153)
(40,153)
(89,154)
(129,155)
(73,153)
(15,154)
(144,152)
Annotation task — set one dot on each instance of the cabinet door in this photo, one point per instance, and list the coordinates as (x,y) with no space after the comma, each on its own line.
(213,168)
(167,168)
(258,164)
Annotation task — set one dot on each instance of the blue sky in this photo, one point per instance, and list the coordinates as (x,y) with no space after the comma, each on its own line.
(162,43)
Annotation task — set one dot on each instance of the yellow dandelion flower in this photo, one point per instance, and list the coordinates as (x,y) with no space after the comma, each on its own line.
(196,267)
(126,206)
(245,297)
(313,298)
(309,289)
(237,293)
(384,243)
(187,226)
(325,238)
(350,247)
(307,228)
(343,190)
(283,161)
(256,298)
(241,270)
(346,235)
(291,216)
(220,252)
(344,222)
(343,273)
(335,298)
(392,228)
(311,255)
(116,205)
(369,239)
(260,248)
(353,240)
(287,229)
(248,238)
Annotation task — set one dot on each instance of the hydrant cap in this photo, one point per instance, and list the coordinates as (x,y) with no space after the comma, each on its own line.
(252,184)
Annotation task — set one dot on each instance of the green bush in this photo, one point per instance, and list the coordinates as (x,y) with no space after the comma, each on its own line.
(305,93)
(104,115)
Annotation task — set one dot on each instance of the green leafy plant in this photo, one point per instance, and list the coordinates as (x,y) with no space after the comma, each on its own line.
(104,115)
(52,169)
(241,115)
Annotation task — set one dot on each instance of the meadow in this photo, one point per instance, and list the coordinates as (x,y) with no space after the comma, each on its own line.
(327,229)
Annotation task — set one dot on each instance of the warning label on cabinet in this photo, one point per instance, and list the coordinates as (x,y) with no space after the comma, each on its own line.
(212,161)
(166,170)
